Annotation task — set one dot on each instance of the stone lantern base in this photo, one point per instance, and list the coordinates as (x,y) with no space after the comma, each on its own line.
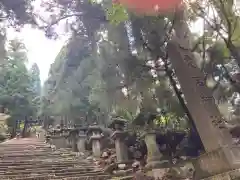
(59,141)
(96,145)
(81,143)
(222,163)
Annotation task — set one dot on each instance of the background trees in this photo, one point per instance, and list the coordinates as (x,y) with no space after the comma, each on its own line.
(120,63)
(116,61)
(19,93)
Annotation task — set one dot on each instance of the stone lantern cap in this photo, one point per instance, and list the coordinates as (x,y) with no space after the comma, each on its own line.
(117,123)
(97,137)
(119,135)
(78,131)
(82,131)
(3,117)
(73,132)
(56,131)
(82,128)
(94,129)
(148,132)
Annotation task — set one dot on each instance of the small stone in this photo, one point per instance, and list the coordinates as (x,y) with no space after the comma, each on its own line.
(97,163)
(81,154)
(183,157)
(105,154)
(122,166)
(136,164)
(53,147)
(90,158)
(137,154)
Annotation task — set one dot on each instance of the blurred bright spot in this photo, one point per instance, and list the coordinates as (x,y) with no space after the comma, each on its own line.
(150,6)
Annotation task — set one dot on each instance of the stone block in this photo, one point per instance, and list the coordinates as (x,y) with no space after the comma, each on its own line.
(217,162)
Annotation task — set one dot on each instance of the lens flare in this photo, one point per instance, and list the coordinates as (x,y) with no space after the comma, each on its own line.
(150,6)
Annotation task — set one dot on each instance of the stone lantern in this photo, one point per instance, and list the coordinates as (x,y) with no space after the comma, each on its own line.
(3,118)
(81,139)
(58,138)
(95,139)
(154,156)
(118,136)
(66,134)
(73,135)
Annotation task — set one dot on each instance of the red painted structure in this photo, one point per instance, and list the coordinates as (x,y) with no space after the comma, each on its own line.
(150,6)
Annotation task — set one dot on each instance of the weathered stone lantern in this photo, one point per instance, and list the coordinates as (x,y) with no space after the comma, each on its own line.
(118,136)
(58,139)
(73,135)
(3,118)
(95,139)
(66,134)
(81,139)
(154,156)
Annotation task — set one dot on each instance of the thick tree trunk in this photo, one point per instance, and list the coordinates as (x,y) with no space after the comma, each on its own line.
(24,128)
(231,22)
(221,156)
(169,73)
(199,98)
(2,48)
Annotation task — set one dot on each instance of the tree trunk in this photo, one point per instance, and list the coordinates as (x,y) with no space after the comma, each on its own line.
(232,24)
(169,73)
(2,48)
(200,101)
(13,132)
(24,128)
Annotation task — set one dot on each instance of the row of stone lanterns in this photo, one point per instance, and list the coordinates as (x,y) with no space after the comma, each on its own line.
(77,138)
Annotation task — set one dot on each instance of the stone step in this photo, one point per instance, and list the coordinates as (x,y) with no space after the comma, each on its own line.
(43,163)
(30,159)
(34,156)
(96,177)
(55,167)
(28,154)
(13,149)
(25,152)
(46,161)
(50,171)
(25,149)
(51,176)
(24,145)
(35,151)
(8,146)
(34,166)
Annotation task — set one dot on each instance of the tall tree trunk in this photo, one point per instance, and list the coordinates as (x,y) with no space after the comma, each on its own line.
(24,128)
(199,98)
(231,22)
(170,74)
(2,48)
(14,128)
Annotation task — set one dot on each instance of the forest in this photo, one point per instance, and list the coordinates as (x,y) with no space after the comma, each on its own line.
(120,63)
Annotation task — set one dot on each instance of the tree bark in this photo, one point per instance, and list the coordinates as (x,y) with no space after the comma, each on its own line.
(200,101)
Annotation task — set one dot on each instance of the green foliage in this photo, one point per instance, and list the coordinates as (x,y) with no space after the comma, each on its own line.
(219,52)
(117,14)
(104,67)
(92,83)
(125,114)
(171,121)
(18,93)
